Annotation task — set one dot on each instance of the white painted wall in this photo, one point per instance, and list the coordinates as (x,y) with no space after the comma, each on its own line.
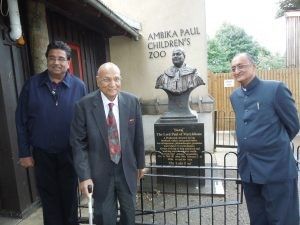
(186,19)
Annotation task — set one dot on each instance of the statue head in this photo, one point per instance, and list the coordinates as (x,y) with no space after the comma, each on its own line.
(178,57)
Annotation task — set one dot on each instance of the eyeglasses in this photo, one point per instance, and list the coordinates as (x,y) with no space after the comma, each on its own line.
(240,67)
(107,80)
(59,59)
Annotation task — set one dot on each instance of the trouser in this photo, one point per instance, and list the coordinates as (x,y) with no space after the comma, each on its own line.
(273,203)
(106,211)
(57,186)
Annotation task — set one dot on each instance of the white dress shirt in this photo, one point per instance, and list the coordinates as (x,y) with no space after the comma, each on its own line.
(115,109)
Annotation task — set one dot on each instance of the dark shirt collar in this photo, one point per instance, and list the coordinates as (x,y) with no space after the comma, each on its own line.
(251,85)
(46,79)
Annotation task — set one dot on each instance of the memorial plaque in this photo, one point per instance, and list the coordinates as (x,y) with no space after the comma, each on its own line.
(181,144)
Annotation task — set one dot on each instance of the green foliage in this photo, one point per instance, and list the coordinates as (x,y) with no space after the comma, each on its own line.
(230,40)
(217,58)
(268,61)
(286,5)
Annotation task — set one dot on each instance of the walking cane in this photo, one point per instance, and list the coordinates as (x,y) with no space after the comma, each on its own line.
(90,204)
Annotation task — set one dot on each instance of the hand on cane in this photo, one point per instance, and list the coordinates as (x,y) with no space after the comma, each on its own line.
(84,187)
(90,203)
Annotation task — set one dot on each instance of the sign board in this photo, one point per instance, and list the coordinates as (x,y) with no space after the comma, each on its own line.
(229,83)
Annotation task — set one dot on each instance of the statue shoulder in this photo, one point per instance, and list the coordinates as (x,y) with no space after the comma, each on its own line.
(198,80)
(160,81)
(170,71)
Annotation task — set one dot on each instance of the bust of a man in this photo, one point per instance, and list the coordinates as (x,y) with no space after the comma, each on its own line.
(179,78)
(178,81)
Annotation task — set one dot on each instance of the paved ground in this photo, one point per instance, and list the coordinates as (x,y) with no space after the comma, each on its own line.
(36,217)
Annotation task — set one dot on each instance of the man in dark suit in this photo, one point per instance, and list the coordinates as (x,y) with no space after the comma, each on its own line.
(111,164)
(266,123)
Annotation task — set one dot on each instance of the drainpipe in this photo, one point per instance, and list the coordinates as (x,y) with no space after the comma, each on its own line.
(110,14)
(15,23)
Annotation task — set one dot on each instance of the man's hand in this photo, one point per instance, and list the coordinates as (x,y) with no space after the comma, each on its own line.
(26,162)
(84,187)
(140,174)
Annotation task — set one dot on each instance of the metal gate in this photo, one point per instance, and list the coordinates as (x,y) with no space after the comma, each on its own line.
(224,130)
(189,195)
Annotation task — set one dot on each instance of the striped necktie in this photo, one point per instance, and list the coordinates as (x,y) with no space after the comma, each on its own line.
(113,136)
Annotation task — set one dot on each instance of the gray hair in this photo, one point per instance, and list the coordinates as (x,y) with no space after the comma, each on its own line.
(248,56)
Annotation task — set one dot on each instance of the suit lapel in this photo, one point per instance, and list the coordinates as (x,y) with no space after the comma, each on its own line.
(99,116)
(123,115)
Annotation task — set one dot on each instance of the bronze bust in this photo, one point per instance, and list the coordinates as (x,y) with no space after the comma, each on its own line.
(178,81)
(179,77)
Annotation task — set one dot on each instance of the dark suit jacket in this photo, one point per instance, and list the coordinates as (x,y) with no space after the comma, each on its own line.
(89,141)
(266,122)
